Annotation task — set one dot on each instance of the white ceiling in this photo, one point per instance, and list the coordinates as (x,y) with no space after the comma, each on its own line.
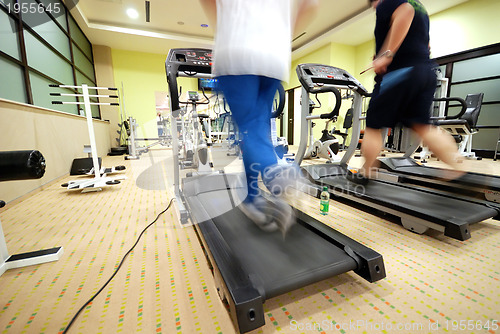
(177,23)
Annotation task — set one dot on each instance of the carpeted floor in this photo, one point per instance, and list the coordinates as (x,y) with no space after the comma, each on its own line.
(434,284)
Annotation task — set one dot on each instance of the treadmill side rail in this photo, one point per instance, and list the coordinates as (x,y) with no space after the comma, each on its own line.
(244,299)
(370,263)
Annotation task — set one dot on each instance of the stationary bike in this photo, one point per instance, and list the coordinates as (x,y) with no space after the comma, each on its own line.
(327,146)
(194,152)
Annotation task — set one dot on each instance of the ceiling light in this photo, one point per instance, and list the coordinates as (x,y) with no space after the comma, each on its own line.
(132,13)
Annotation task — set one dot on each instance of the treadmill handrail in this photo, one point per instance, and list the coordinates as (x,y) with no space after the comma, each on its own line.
(281,106)
(338,99)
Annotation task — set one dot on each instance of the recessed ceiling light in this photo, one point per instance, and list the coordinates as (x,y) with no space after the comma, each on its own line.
(204,25)
(132,13)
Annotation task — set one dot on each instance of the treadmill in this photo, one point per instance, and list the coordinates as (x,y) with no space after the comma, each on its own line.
(250,265)
(474,185)
(418,209)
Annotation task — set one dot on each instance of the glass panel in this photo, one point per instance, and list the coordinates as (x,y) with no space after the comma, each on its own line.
(452,111)
(489,115)
(483,67)
(41,95)
(13,88)
(83,63)
(81,79)
(80,38)
(93,108)
(5,2)
(55,37)
(488,87)
(485,139)
(57,5)
(8,36)
(95,111)
(35,14)
(47,62)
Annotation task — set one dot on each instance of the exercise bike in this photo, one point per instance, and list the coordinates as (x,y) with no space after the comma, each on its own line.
(193,150)
(327,147)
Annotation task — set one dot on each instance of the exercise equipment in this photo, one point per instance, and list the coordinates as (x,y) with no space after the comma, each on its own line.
(464,127)
(419,210)
(327,146)
(23,165)
(250,265)
(100,180)
(195,153)
(280,143)
(134,148)
(474,185)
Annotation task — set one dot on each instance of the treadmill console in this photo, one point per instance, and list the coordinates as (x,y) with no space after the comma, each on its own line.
(194,57)
(312,76)
(194,63)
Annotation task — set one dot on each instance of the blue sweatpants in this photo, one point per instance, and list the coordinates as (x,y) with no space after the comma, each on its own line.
(250,98)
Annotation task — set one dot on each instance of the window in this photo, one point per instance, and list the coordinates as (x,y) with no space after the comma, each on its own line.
(477,71)
(41,47)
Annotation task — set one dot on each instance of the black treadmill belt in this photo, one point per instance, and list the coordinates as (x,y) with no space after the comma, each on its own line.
(425,205)
(469,179)
(281,265)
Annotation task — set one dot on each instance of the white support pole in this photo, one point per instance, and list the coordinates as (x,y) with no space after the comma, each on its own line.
(93,146)
(4,253)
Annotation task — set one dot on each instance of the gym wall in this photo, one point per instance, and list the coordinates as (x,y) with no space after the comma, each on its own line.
(59,136)
(105,78)
(467,26)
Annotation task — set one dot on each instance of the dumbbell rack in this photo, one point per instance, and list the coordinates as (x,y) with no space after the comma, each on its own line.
(100,180)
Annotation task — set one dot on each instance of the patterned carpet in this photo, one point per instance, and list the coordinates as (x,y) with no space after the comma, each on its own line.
(434,284)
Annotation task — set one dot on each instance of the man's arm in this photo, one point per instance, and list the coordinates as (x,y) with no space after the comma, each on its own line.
(400,25)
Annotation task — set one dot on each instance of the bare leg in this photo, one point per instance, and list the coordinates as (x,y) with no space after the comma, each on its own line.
(442,144)
(370,148)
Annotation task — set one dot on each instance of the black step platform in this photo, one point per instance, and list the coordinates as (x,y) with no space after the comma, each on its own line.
(250,265)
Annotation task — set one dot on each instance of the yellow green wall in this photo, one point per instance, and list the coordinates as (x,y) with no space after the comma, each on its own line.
(467,26)
(143,74)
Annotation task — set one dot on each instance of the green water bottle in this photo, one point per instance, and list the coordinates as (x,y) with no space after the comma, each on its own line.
(324,202)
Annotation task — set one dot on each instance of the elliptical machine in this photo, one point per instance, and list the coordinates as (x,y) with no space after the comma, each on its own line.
(327,147)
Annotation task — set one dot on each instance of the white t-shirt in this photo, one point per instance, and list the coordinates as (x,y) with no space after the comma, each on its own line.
(253,37)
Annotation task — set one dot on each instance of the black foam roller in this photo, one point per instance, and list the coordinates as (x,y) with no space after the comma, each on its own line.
(21,165)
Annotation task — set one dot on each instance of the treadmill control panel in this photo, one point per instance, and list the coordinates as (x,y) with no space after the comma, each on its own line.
(193,63)
(201,57)
(195,57)
(317,75)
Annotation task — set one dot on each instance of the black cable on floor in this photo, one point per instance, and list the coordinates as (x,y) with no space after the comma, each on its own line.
(118,268)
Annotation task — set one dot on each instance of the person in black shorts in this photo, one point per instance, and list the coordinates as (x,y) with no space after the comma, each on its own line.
(405,83)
